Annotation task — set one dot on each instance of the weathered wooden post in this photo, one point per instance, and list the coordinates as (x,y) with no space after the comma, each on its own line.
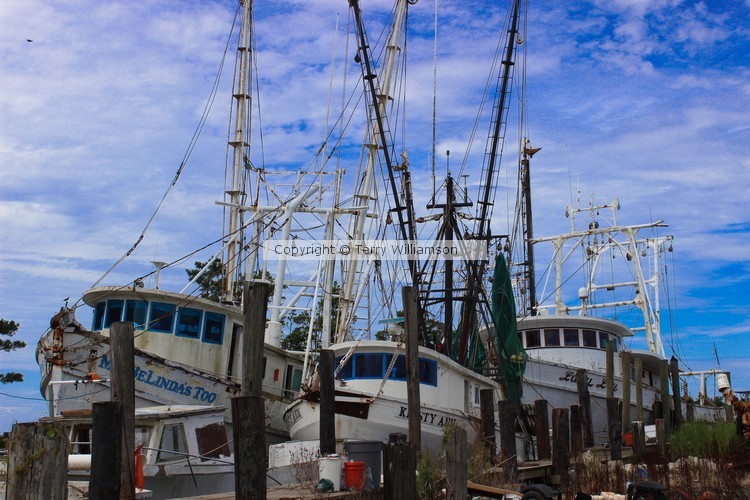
(560,442)
(541,428)
(584,399)
(661,438)
(327,402)
(610,369)
(508,454)
(38,462)
(123,391)
(576,431)
(248,410)
(614,427)
(639,441)
(674,370)
(399,468)
(639,389)
(625,366)
(410,296)
(106,450)
(664,391)
(456,460)
(487,410)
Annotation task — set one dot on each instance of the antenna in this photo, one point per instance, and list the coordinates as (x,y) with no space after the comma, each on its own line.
(159,266)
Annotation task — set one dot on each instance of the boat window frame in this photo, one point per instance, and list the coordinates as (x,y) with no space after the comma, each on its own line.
(533,338)
(186,313)
(592,340)
(175,453)
(98,322)
(152,321)
(110,303)
(211,317)
(565,333)
(428,372)
(548,333)
(131,317)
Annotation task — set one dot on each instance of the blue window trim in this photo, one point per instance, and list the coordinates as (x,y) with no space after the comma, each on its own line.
(152,319)
(428,374)
(98,322)
(135,304)
(189,311)
(110,304)
(209,317)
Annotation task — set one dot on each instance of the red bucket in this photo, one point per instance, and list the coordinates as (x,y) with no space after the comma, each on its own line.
(628,438)
(354,473)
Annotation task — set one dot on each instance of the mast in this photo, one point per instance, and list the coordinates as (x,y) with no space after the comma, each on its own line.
(380,94)
(476,269)
(530,307)
(240,144)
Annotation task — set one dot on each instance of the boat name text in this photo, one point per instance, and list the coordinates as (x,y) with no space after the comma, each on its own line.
(570,376)
(160,382)
(429,418)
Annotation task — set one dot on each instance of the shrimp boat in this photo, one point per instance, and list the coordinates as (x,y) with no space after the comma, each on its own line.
(187,345)
(622,273)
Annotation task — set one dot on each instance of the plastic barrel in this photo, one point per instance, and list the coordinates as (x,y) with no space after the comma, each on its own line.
(354,472)
(330,468)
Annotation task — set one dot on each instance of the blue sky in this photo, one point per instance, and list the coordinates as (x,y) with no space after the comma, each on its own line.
(648,101)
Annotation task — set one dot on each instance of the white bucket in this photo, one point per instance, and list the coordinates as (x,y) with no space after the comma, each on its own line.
(330,468)
(722,382)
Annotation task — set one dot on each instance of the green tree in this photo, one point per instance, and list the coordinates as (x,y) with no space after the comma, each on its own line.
(298,324)
(9,328)
(211,282)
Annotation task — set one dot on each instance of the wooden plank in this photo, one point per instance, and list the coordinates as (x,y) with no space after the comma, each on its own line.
(123,391)
(410,296)
(610,369)
(639,389)
(477,489)
(327,429)
(106,451)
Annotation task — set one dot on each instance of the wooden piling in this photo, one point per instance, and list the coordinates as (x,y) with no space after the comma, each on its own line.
(576,431)
(614,428)
(664,391)
(639,440)
(541,427)
(639,389)
(487,411)
(255,300)
(38,462)
(250,455)
(327,402)
(106,450)
(661,438)
(456,458)
(584,399)
(610,369)
(123,391)
(248,410)
(560,442)
(399,467)
(674,370)
(410,297)
(508,455)
(626,381)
